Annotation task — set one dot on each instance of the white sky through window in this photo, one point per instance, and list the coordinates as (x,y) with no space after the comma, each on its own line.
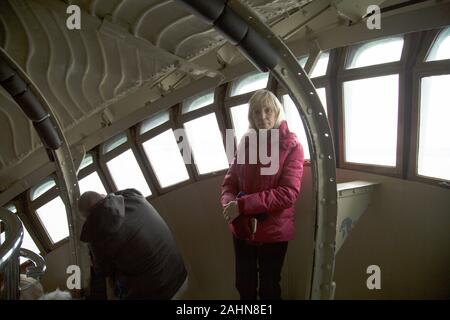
(376,52)
(207,145)
(154,121)
(53,217)
(370,120)
(92,182)
(434,134)
(249,83)
(126,173)
(295,123)
(441,47)
(166,159)
(198,102)
(239,117)
(42,188)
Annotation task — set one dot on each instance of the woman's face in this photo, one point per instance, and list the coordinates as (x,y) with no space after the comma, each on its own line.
(264,117)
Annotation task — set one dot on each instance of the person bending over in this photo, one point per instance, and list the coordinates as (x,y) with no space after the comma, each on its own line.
(131,245)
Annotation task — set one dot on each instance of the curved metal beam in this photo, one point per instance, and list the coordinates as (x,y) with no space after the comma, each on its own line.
(240,24)
(61,155)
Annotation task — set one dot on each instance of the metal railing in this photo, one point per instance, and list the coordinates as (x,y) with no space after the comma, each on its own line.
(10,253)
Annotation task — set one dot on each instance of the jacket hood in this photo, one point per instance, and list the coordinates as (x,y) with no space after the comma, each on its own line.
(105,219)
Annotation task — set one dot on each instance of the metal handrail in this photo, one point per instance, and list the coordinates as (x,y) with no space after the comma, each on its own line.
(13,237)
(9,253)
(35,271)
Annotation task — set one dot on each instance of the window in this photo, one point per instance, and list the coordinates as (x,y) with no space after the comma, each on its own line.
(322,93)
(28,243)
(295,123)
(54,218)
(370,120)
(198,101)
(206,142)
(154,121)
(320,69)
(302,61)
(294,120)
(11,208)
(126,173)
(239,117)
(42,188)
(434,136)
(375,52)
(249,83)
(92,182)
(114,142)
(441,47)
(87,161)
(165,159)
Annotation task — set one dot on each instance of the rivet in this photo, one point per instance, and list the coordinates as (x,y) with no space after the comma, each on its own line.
(321,156)
(330,157)
(326,135)
(283,71)
(311,93)
(331,179)
(323,200)
(320,114)
(299,73)
(309,111)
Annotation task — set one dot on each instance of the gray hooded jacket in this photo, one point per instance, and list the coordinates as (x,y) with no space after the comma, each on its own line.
(132,244)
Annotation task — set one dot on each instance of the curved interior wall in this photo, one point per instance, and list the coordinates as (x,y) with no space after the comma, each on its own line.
(404,231)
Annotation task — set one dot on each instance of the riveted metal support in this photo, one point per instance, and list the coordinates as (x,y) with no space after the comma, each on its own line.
(269,53)
(59,152)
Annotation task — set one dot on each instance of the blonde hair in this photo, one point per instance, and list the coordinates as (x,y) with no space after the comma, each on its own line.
(265,98)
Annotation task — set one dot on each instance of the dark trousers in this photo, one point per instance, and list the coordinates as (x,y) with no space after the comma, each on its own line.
(265,260)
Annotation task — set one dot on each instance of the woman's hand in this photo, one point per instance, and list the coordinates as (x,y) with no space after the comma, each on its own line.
(231,211)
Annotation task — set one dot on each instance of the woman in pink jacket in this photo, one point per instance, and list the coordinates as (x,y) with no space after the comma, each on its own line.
(260,208)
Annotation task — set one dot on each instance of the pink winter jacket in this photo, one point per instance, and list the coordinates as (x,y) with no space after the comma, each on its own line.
(271,197)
